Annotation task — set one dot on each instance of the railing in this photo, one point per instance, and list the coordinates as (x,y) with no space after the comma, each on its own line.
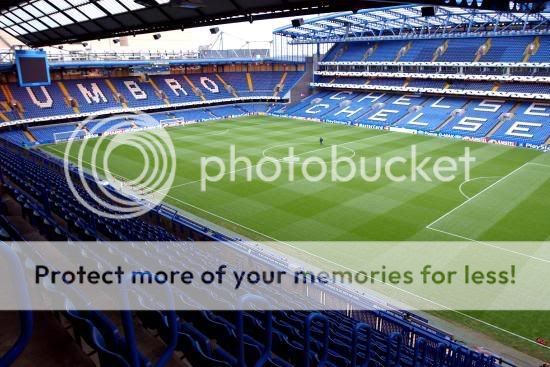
(59,56)
(25,316)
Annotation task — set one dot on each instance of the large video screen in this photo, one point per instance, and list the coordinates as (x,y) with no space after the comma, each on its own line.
(32,68)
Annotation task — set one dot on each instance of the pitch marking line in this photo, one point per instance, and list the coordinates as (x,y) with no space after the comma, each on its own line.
(297,160)
(476,195)
(296,155)
(431,225)
(222,132)
(352,270)
(472,180)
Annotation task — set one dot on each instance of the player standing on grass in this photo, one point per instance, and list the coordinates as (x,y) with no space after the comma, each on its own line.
(321,140)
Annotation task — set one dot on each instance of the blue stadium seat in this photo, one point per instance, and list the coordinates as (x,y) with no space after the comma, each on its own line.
(530,125)
(92,95)
(479,118)
(507,49)
(44,101)
(543,53)
(462,50)
(46,134)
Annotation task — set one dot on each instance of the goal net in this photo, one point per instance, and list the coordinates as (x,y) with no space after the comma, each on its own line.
(68,135)
(173,121)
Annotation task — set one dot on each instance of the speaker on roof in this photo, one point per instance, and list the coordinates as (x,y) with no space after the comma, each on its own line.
(215,30)
(298,22)
(428,11)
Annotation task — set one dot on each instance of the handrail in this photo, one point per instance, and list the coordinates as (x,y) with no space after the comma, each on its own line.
(26,322)
(25,316)
(130,333)
(420,353)
(394,339)
(366,328)
(440,354)
(266,354)
(307,338)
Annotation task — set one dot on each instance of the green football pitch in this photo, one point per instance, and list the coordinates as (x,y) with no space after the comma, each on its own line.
(506,199)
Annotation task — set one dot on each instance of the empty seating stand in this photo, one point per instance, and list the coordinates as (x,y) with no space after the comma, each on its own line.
(47,134)
(507,49)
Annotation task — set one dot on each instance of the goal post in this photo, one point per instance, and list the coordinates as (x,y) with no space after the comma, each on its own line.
(172,121)
(65,136)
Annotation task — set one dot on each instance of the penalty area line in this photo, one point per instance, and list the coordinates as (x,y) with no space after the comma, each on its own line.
(429,226)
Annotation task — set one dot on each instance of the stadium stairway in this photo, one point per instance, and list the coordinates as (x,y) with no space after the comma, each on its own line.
(543,52)
(227,87)
(29,136)
(507,49)
(403,51)
(503,121)
(12,102)
(369,52)
(160,94)
(531,49)
(194,88)
(250,82)
(340,51)
(440,51)
(483,50)
(119,98)
(279,87)
(69,100)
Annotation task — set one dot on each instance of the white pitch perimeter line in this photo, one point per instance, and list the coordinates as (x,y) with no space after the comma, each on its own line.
(472,180)
(352,270)
(215,133)
(296,155)
(429,226)
(490,245)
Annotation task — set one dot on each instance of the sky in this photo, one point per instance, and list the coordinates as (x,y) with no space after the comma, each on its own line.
(236,36)
(256,35)
(259,34)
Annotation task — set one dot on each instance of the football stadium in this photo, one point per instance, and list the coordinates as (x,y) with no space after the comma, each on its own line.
(369,185)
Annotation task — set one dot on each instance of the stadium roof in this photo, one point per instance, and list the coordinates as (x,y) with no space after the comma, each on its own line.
(48,22)
(408,21)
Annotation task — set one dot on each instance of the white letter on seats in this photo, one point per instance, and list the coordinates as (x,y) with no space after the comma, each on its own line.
(93,96)
(489,105)
(313,110)
(175,86)
(210,85)
(48,103)
(415,121)
(382,115)
(372,96)
(471,124)
(538,109)
(136,91)
(348,112)
(338,96)
(521,129)
(404,100)
(437,105)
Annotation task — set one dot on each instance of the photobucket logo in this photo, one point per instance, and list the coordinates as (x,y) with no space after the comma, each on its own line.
(341,166)
(110,195)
